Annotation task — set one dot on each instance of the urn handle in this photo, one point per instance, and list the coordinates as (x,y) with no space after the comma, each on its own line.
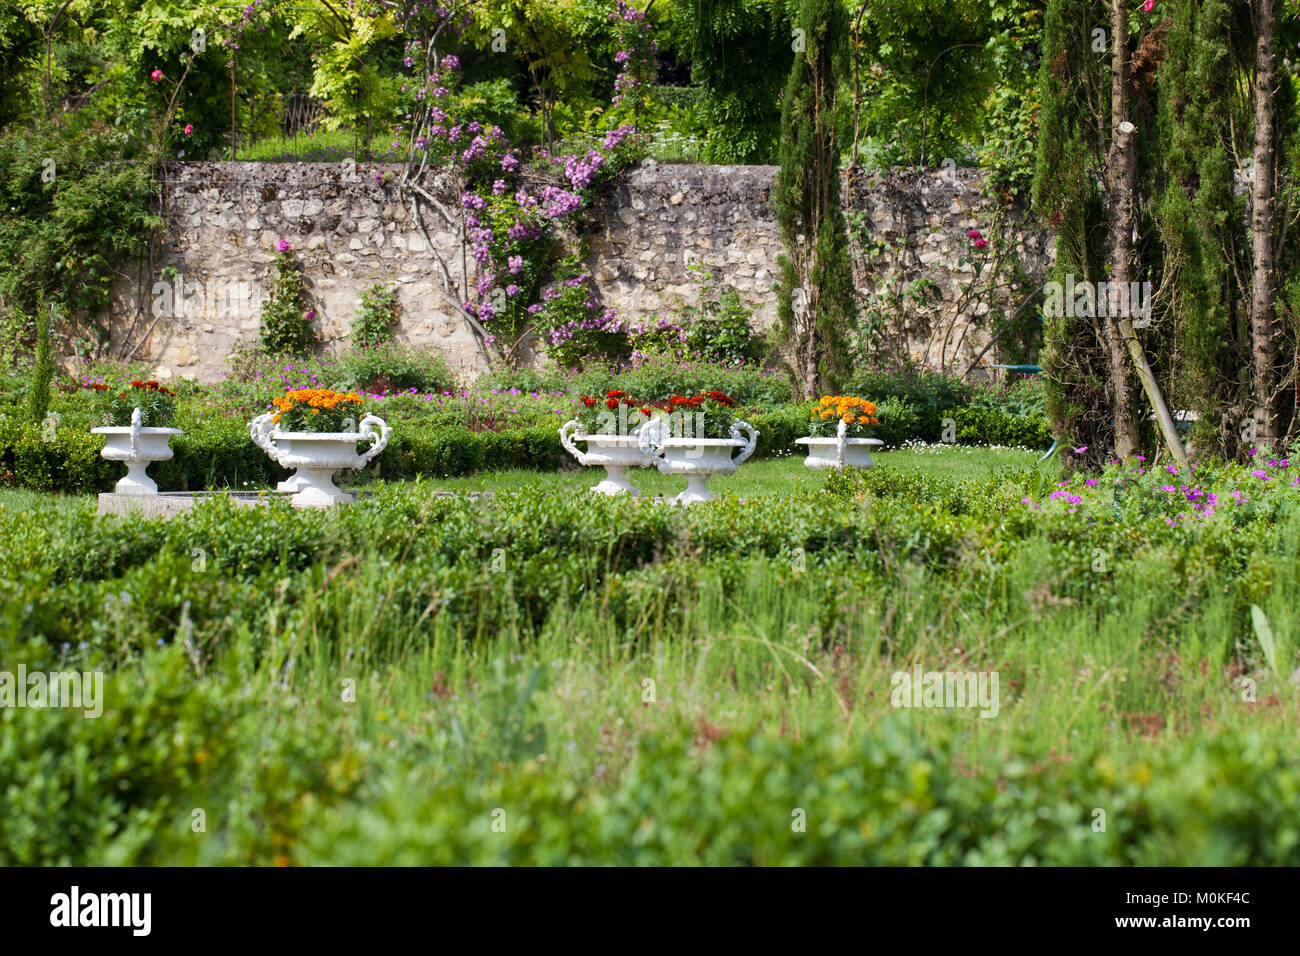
(650,438)
(260,429)
(378,440)
(137,422)
(568,432)
(750,442)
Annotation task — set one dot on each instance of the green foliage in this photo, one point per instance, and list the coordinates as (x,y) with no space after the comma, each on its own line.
(993,426)
(723,40)
(929,397)
(75,210)
(377,313)
(348,63)
(892,797)
(286,321)
(460,688)
(815,267)
(1202,220)
(719,325)
(38,395)
(1066,195)
(394,367)
(962,73)
(69,780)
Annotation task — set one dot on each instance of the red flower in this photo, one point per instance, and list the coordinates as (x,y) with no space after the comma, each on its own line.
(615,393)
(589,402)
(611,403)
(722,398)
(645,412)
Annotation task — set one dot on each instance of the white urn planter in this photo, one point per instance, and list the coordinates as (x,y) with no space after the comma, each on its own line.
(698,459)
(317,455)
(614,453)
(839,452)
(136,447)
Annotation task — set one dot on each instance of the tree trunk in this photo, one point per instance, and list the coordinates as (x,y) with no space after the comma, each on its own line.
(1121,183)
(810,367)
(1263,227)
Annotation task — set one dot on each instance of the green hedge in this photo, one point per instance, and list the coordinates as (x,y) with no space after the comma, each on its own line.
(114,791)
(888,798)
(991,426)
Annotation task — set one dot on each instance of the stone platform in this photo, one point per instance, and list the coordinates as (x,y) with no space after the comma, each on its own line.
(167,503)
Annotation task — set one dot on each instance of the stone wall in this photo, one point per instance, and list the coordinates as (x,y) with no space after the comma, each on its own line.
(349,229)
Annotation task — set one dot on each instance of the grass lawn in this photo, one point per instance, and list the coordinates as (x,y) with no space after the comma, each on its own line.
(772,476)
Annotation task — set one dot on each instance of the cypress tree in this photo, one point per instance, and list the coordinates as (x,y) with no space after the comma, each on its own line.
(1202,222)
(1067,196)
(38,395)
(815,298)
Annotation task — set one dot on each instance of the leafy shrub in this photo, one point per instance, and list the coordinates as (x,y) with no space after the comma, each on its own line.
(66,237)
(392,367)
(68,461)
(1023,397)
(992,426)
(69,781)
(893,797)
(719,325)
(931,396)
(377,313)
(660,376)
(286,320)
(899,421)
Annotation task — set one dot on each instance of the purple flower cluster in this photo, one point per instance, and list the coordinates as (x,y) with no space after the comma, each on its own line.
(636,54)
(1183,500)
(599,320)
(580,171)
(509,219)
